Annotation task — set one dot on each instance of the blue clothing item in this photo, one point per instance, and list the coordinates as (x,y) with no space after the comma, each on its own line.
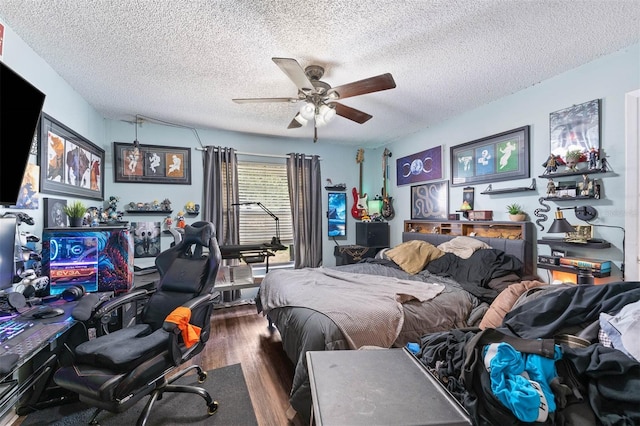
(521,381)
(414,348)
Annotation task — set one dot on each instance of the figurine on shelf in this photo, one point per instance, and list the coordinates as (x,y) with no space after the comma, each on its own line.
(465,206)
(112,209)
(585,185)
(168,221)
(180,220)
(551,188)
(192,208)
(551,165)
(166,205)
(594,156)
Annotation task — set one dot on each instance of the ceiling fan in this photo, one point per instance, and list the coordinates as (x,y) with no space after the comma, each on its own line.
(319,99)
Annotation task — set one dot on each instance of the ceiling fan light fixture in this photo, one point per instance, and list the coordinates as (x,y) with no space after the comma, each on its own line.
(326,112)
(300,119)
(308,110)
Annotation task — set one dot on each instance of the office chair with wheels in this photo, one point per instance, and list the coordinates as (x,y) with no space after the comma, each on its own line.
(114,371)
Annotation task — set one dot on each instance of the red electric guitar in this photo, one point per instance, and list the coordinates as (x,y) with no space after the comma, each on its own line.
(359,208)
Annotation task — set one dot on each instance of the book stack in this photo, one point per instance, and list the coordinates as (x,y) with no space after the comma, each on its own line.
(597,267)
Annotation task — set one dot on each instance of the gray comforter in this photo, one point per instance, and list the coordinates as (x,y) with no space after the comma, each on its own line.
(306,328)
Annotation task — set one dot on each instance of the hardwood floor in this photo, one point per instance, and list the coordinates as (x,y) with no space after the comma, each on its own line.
(240,335)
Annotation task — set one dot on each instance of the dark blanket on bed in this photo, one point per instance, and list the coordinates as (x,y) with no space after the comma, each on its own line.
(475,273)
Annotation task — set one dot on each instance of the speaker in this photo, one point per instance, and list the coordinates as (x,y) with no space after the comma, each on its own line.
(74,292)
(372,234)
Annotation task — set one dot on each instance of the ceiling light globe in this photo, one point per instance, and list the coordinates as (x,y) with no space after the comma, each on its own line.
(327,113)
(307,111)
(300,119)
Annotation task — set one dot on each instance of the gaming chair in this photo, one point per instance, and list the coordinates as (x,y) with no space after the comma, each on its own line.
(114,371)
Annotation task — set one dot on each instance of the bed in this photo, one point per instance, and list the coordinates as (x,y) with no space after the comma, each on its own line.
(378,303)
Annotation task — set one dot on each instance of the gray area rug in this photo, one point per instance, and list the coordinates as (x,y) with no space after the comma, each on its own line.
(225,385)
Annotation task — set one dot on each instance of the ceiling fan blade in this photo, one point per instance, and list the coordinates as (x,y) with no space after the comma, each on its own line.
(361,87)
(294,71)
(351,113)
(294,123)
(262,100)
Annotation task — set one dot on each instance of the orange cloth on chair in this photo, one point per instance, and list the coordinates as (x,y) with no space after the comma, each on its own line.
(190,332)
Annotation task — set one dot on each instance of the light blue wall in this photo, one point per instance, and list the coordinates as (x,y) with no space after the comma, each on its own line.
(608,78)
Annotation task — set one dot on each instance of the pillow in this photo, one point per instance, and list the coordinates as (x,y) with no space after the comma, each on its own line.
(504,302)
(463,247)
(412,256)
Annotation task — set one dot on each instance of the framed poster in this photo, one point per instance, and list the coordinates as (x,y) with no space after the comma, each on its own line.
(151,164)
(146,239)
(54,216)
(420,167)
(576,128)
(504,156)
(69,164)
(430,200)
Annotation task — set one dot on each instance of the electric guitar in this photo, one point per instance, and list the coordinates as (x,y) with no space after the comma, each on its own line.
(387,211)
(359,208)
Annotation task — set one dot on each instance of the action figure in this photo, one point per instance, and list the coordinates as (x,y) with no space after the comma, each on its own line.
(594,156)
(585,185)
(551,165)
(551,188)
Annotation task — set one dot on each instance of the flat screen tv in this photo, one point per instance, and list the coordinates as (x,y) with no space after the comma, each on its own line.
(98,258)
(337,214)
(20,107)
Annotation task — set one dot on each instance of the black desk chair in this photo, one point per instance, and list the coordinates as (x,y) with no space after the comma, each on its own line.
(114,371)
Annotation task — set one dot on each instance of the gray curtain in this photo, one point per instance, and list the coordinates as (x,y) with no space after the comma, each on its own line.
(220,192)
(305,193)
(220,184)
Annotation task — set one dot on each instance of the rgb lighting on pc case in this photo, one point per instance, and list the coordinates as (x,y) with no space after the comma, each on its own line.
(99,259)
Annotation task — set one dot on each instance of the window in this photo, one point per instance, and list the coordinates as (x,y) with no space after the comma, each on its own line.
(265,183)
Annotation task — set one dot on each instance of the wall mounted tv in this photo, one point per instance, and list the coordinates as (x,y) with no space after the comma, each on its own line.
(20,108)
(98,258)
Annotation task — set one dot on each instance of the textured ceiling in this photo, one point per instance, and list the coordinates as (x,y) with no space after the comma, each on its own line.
(183,61)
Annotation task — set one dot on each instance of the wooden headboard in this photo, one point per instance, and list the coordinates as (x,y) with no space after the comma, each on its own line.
(520,248)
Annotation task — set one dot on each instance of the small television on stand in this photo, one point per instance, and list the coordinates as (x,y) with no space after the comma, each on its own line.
(98,258)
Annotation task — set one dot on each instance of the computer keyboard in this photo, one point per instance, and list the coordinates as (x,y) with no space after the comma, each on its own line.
(11,328)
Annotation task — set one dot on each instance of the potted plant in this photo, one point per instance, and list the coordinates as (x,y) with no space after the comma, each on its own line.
(516,213)
(75,211)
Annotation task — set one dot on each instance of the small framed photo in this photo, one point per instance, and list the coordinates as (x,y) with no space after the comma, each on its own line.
(430,200)
(54,216)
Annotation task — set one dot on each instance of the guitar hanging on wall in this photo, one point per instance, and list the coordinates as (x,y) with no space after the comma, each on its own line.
(387,211)
(359,208)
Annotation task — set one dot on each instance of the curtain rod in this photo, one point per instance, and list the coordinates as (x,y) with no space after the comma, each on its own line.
(255,154)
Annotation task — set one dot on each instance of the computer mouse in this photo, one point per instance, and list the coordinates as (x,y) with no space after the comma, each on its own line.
(42,312)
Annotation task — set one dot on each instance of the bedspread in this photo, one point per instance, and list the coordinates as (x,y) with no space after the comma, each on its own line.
(369,310)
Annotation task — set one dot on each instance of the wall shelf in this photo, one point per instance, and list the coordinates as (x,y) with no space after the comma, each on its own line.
(578,197)
(576,173)
(149,212)
(491,191)
(572,270)
(600,244)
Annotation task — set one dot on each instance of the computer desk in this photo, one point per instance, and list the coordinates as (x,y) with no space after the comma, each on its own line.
(23,383)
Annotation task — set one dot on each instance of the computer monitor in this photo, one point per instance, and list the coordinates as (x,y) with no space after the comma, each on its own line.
(98,258)
(8,236)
